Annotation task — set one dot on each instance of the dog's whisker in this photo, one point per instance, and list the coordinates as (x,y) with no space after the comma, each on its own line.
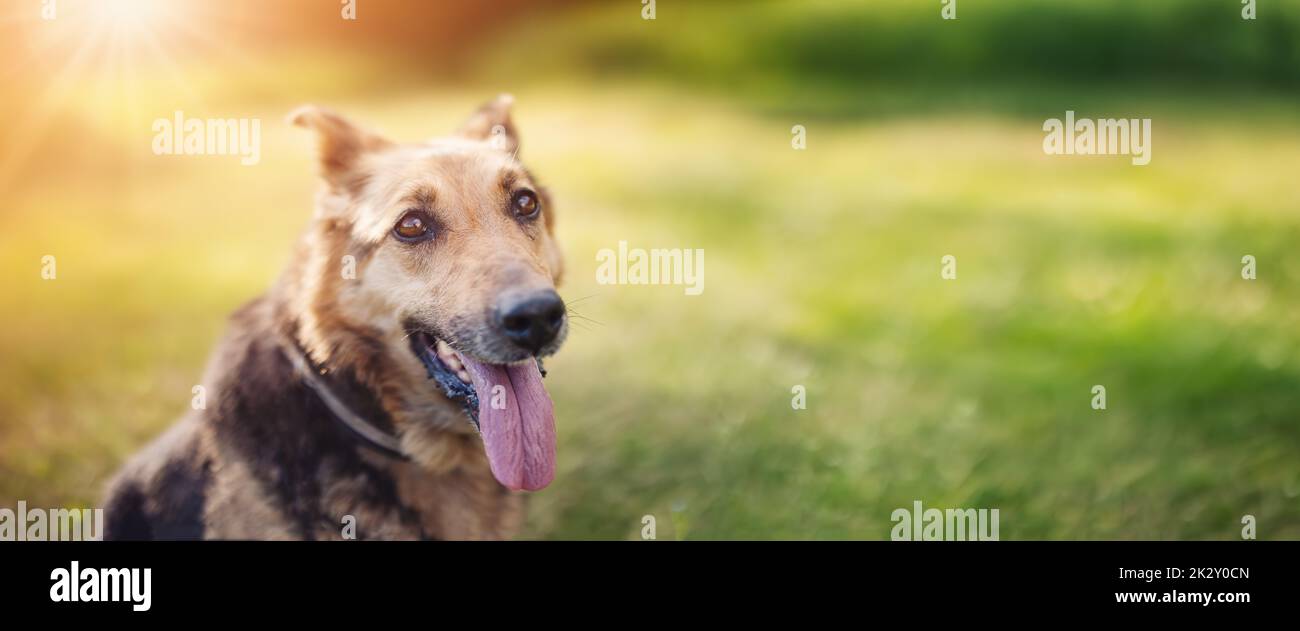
(581,318)
(577,300)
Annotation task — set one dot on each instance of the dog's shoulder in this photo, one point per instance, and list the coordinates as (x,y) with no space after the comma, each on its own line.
(160,493)
(167,489)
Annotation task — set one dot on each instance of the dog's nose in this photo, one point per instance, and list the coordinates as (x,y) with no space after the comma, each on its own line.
(532,320)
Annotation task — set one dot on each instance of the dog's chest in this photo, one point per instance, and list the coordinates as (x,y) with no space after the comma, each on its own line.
(464,503)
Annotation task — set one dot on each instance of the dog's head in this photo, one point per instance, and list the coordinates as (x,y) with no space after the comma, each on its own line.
(432,275)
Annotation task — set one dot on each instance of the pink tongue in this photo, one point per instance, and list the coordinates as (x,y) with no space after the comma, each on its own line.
(517,421)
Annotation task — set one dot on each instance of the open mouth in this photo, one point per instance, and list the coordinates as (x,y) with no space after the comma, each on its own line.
(508,405)
(448,371)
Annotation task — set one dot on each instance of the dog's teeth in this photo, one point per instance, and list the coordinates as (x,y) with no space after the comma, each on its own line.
(452,363)
(451,360)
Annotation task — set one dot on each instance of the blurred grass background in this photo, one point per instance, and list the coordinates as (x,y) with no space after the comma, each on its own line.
(924,139)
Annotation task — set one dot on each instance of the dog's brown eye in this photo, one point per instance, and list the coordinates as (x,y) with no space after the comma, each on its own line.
(413,226)
(526,205)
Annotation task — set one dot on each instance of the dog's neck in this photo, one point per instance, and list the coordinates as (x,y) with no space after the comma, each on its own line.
(359,367)
(349,402)
(340,356)
(268,414)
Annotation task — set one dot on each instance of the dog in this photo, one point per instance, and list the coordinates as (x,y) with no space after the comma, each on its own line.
(389,384)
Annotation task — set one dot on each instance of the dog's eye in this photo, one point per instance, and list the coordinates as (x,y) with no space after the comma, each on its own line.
(526,204)
(413,226)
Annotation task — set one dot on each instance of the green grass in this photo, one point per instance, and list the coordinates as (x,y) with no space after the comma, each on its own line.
(822,269)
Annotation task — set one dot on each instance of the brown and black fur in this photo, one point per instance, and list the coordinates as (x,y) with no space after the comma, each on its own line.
(266,459)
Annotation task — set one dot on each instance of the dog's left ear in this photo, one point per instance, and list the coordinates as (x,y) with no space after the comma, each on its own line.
(492,123)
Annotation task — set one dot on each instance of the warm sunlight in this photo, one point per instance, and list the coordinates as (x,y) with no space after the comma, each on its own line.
(132,16)
(98,59)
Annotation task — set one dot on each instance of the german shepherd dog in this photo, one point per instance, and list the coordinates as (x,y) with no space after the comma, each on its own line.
(390,381)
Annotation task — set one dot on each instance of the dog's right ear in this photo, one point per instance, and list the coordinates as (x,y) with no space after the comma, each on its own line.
(340,144)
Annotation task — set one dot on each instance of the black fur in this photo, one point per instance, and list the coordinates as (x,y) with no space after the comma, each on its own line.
(265,417)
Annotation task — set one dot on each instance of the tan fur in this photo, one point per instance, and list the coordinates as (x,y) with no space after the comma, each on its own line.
(214,475)
(371,182)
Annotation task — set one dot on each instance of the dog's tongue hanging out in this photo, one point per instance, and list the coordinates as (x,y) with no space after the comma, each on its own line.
(519,431)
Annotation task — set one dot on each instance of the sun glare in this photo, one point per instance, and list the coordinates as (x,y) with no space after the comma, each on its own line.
(132,16)
(106,61)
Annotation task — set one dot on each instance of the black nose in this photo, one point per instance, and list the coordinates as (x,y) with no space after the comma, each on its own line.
(532,320)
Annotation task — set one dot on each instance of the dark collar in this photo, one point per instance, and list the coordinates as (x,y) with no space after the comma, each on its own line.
(359,427)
